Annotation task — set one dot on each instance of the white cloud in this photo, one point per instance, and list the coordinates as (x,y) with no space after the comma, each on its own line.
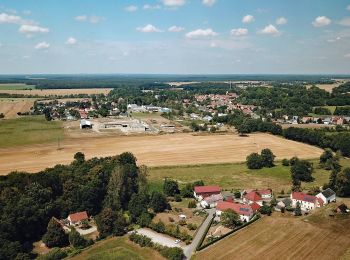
(174,3)
(208,2)
(148,29)
(321,21)
(345,21)
(270,29)
(248,19)
(88,18)
(151,7)
(30,29)
(213,45)
(42,46)
(347,55)
(131,8)
(239,32)
(8,18)
(334,39)
(71,41)
(201,33)
(348,8)
(281,21)
(175,28)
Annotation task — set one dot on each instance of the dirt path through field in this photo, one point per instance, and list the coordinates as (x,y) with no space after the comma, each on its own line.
(175,149)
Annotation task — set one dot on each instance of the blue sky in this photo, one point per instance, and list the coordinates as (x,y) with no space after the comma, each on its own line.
(175,36)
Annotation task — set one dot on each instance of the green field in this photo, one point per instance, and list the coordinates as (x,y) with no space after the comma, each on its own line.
(118,248)
(236,176)
(29,130)
(16,86)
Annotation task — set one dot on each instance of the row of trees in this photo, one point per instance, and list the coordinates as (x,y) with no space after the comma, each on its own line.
(258,161)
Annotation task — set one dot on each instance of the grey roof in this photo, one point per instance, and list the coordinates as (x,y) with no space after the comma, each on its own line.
(287,202)
(328,192)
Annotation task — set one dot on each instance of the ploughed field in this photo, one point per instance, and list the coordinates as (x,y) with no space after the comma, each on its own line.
(152,150)
(285,237)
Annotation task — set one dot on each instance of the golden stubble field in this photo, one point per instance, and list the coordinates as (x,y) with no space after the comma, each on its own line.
(57,92)
(11,106)
(153,150)
(285,237)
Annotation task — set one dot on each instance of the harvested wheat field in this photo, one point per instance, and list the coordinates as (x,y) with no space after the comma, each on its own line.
(288,237)
(153,150)
(11,106)
(58,92)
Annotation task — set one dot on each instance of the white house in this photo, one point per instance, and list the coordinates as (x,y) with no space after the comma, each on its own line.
(201,192)
(244,211)
(307,202)
(327,196)
(265,194)
(211,201)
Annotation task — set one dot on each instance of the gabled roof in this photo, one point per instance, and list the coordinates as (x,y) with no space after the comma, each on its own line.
(207,189)
(253,196)
(303,197)
(214,198)
(328,192)
(79,216)
(264,192)
(240,209)
(255,206)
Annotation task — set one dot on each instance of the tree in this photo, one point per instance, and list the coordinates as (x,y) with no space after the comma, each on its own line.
(145,219)
(273,201)
(138,204)
(297,211)
(230,218)
(266,210)
(254,161)
(267,158)
(55,235)
(343,183)
(77,241)
(79,157)
(285,162)
(127,158)
(326,155)
(158,202)
(110,222)
(170,187)
(302,170)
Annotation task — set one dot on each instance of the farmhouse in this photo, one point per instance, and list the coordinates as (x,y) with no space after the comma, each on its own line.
(252,197)
(307,202)
(265,194)
(244,211)
(201,192)
(211,201)
(77,218)
(327,196)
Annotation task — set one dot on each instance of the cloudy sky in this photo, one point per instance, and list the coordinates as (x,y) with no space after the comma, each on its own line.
(175,36)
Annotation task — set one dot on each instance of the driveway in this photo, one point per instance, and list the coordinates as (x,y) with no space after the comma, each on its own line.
(159,238)
(191,248)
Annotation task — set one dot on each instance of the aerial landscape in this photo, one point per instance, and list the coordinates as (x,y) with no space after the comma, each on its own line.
(174,129)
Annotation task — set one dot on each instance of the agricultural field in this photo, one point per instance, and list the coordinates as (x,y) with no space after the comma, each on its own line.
(11,106)
(329,87)
(16,86)
(57,92)
(236,176)
(151,150)
(27,131)
(317,236)
(117,248)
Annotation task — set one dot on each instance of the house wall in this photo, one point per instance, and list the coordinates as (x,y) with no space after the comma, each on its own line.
(304,205)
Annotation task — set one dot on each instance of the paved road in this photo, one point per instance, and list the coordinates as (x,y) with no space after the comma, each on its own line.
(159,238)
(191,248)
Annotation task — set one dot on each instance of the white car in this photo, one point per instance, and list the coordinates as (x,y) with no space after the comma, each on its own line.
(177,241)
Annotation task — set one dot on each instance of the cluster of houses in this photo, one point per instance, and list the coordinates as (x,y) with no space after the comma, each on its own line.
(334,120)
(246,206)
(250,201)
(147,108)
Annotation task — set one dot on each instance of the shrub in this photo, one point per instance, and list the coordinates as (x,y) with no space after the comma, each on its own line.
(54,254)
(178,198)
(285,162)
(192,204)
(191,226)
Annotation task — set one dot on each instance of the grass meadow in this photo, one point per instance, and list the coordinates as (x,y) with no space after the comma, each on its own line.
(16,86)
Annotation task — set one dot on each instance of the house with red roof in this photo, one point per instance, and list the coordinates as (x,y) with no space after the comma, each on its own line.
(265,194)
(201,192)
(307,202)
(76,218)
(252,197)
(244,211)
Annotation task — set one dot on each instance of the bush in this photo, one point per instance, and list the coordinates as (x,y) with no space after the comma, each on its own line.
(140,240)
(172,253)
(191,226)
(178,198)
(254,161)
(77,241)
(266,210)
(54,254)
(285,162)
(192,204)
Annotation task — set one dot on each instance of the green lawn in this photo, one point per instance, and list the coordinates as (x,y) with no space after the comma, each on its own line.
(16,86)
(29,130)
(235,176)
(117,248)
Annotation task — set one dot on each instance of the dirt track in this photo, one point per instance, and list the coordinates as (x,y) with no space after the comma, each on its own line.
(153,150)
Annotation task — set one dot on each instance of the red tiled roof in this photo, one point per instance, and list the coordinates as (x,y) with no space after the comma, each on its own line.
(253,196)
(264,192)
(241,209)
(207,189)
(255,206)
(303,197)
(79,216)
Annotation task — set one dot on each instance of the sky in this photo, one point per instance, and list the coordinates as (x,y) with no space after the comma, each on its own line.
(175,36)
